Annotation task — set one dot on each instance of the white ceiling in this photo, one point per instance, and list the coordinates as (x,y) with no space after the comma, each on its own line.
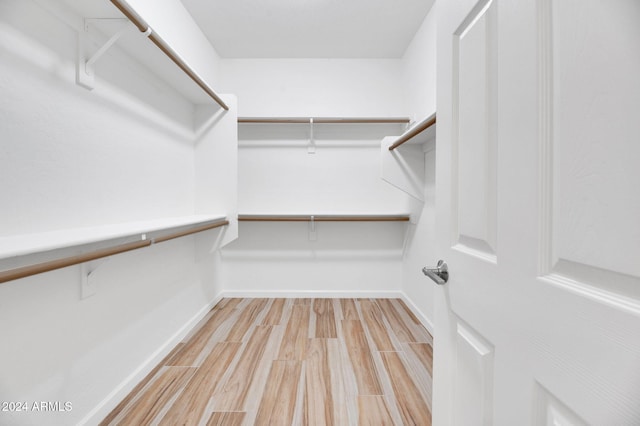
(309,28)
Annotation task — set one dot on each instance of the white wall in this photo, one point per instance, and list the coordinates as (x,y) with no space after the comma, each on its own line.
(173,23)
(70,157)
(283,177)
(314,87)
(419,77)
(278,175)
(216,163)
(419,70)
(345,259)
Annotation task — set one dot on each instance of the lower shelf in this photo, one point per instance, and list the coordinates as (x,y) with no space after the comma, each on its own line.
(84,236)
(323,218)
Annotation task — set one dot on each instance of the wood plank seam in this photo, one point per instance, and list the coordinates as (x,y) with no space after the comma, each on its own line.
(281,368)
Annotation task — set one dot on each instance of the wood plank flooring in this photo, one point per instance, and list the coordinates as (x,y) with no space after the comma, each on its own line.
(291,362)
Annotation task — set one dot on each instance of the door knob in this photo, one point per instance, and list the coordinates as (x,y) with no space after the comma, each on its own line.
(440,274)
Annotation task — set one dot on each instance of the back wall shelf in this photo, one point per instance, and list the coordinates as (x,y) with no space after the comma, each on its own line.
(323,218)
(264,130)
(403,157)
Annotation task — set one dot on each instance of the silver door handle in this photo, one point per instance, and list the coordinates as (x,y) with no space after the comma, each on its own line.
(440,274)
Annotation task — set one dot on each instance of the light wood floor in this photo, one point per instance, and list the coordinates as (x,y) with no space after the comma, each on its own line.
(291,362)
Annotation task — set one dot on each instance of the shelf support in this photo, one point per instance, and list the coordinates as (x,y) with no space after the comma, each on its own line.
(313,235)
(85,72)
(312,143)
(88,285)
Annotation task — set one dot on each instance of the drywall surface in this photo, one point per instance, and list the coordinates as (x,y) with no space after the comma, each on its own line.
(314,87)
(419,77)
(279,175)
(341,175)
(70,157)
(216,163)
(73,157)
(419,70)
(173,23)
(421,249)
(287,259)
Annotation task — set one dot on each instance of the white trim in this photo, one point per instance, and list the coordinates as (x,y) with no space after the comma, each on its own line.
(312,293)
(102,409)
(126,386)
(71,238)
(599,295)
(545,125)
(424,320)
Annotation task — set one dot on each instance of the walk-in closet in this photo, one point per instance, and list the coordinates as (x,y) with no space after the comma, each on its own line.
(318,212)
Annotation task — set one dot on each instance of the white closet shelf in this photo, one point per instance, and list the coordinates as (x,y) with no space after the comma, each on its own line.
(420,133)
(323,120)
(25,244)
(323,217)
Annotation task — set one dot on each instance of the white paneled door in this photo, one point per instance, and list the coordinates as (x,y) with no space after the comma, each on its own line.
(538,213)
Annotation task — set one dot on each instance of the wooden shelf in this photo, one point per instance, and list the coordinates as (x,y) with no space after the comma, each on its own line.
(90,235)
(415,132)
(25,244)
(323,218)
(323,120)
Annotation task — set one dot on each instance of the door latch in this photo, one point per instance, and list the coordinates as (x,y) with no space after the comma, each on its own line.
(440,274)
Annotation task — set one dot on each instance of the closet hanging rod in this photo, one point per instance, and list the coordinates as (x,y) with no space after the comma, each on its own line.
(321,218)
(167,50)
(323,120)
(414,131)
(39,268)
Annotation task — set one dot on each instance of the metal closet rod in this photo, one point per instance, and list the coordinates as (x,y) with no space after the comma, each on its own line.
(323,120)
(158,41)
(39,268)
(321,218)
(416,130)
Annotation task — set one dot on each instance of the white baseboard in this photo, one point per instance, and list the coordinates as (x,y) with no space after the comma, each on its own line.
(96,415)
(418,313)
(126,386)
(309,294)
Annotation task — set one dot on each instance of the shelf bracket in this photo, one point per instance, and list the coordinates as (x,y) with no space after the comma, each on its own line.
(88,284)
(312,143)
(313,235)
(88,280)
(85,70)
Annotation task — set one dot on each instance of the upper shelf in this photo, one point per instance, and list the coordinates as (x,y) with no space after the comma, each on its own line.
(25,244)
(323,218)
(100,26)
(327,131)
(323,120)
(417,133)
(167,50)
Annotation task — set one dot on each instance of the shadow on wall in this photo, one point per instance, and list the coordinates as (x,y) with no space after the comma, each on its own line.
(36,45)
(341,241)
(335,135)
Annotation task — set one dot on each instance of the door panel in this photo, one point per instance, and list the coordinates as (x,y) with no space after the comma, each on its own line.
(474,378)
(552,412)
(474,101)
(537,207)
(592,55)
